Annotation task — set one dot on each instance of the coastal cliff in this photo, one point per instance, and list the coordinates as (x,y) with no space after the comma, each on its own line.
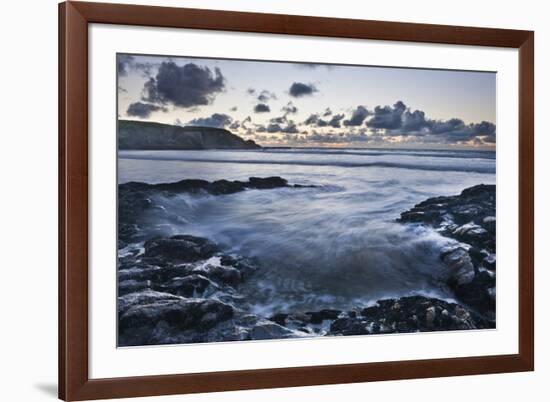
(157,136)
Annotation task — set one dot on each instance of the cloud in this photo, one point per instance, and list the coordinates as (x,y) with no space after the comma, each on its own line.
(143,110)
(289,128)
(289,108)
(123,64)
(327,112)
(266,96)
(233,109)
(358,117)
(334,138)
(387,117)
(312,119)
(334,121)
(313,66)
(396,123)
(127,63)
(218,120)
(315,120)
(184,86)
(456,131)
(299,89)
(236,124)
(261,108)
(399,120)
(414,121)
(278,125)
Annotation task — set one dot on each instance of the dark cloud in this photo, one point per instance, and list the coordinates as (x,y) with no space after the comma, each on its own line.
(414,121)
(335,120)
(311,120)
(185,86)
(250,91)
(218,120)
(266,96)
(455,131)
(399,120)
(289,108)
(278,125)
(278,120)
(315,120)
(289,128)
(127,63)
(299,89)
(236,124)
(387,117)
(327,112)
(313,66)
(357,117)
(261,108)
(123,63)
(143,110)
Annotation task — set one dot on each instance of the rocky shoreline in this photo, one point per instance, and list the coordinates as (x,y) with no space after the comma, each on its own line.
(185,289)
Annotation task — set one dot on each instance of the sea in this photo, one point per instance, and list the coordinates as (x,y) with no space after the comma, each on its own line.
(334,245)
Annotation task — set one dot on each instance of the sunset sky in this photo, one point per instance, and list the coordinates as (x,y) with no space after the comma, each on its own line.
(296,104)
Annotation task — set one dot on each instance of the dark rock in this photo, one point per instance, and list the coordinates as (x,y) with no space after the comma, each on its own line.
(183,248)
(279,318)
(189,286)
(143,315)
(350,326)
(269,330)
(460,264)
(467,218)
(409,314)
(267,183)
(131,286)
(479,294)
(474,207)
(317,317)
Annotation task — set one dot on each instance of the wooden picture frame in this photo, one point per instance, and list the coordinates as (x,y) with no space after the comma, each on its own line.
(74,381)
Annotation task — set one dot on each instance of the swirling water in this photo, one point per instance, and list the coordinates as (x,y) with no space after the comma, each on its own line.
(333,246)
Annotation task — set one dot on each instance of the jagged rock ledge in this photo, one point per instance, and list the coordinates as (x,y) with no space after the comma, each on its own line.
(469,219)
(136,199)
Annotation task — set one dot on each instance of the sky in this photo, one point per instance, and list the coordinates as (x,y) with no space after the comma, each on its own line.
(298,104)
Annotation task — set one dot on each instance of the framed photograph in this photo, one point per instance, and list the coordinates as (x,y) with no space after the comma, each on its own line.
(260,200)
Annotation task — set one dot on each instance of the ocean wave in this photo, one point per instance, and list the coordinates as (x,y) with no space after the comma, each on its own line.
(371,152)
(347,164)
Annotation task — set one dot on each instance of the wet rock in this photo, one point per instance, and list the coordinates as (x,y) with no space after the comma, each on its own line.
(189,286)
(317,317)
(269,330)
(469,219)
(460,264)
(138,203)
(145,317)
(193,186)
(409,314)
(479,293)
(132,285)
(266,183)
(184,248)
(350,326)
